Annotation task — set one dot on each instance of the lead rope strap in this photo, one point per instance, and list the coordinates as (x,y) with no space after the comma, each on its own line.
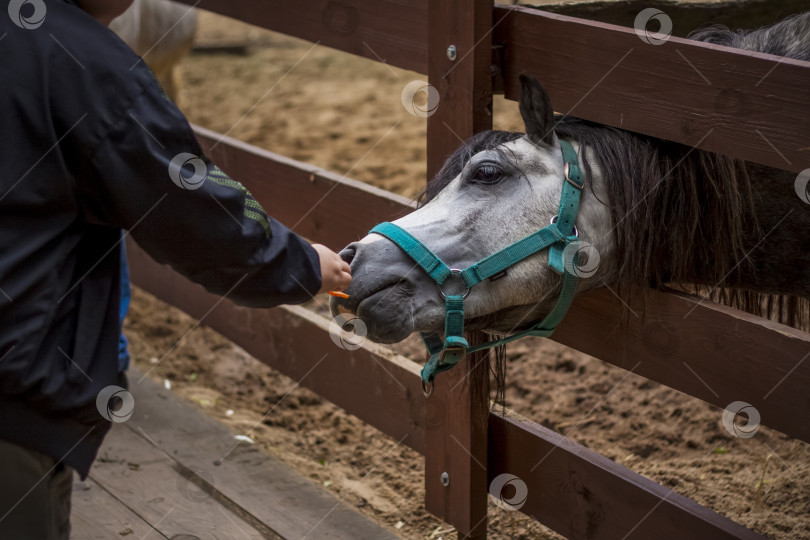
(444,356)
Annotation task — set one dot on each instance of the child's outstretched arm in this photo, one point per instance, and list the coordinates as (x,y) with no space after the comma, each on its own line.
(148,174)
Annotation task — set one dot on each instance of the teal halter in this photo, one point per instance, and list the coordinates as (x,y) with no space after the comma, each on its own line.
(556,236)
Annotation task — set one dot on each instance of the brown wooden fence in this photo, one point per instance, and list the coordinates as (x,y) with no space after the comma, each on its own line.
(742,104)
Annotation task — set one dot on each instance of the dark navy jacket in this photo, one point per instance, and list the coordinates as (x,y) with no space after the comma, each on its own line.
(90,145)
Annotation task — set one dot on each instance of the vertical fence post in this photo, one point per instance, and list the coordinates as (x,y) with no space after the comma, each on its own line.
(456,456)
(464,83)
(459,58)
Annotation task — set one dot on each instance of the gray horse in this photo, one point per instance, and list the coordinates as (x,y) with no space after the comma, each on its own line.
(653,214)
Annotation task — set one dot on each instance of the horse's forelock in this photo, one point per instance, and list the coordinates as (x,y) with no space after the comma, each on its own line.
(485,140)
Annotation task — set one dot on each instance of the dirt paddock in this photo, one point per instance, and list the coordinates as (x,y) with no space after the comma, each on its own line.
(345,114)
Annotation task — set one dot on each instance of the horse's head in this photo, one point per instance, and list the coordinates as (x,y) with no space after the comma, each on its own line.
(496,189)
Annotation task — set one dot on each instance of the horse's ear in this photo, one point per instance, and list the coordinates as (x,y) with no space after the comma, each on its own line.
(536,110)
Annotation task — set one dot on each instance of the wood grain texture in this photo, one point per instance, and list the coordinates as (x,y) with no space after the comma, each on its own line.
(146,481)
(581,494)
(747,105)
(712,352)
(97,515)
(464,85)
(709,351)
(250,484)
(456,444)
(740,104)
(394,31)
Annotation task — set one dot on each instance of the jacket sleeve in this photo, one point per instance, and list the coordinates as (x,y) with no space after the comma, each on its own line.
(150,177)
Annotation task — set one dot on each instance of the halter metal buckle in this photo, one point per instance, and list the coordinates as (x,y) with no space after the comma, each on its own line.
(453,272)
(568,178)
(457,350)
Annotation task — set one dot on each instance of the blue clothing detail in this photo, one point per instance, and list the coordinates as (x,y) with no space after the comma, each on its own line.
(123,353)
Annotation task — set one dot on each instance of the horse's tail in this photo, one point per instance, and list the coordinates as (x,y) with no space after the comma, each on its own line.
(789,38)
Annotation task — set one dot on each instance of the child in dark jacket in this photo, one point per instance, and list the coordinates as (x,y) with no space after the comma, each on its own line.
(91,146)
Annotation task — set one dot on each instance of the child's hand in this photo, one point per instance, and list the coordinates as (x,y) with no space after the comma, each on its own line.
(336,274)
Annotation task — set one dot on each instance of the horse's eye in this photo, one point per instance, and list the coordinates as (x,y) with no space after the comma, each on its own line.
(487,173)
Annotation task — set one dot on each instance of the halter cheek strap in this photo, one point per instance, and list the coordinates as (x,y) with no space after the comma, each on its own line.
(557,237)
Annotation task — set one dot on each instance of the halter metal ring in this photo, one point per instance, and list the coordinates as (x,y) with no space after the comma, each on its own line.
(453,272)
(427,388)
(554,220)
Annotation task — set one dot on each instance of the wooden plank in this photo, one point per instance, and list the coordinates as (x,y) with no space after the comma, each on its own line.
(464,85)
(394,31)
(747,105)
(459,57)
(581,494)
(95,514)
(456,446)
(712,352)
(147,481)
(686,16)
(314,202)
(384,389)
(752,107)
(261,490)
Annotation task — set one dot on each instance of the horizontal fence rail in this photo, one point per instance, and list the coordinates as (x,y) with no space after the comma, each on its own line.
(746,105)
(391,31)
(706,350)
(582,494)
(383,390)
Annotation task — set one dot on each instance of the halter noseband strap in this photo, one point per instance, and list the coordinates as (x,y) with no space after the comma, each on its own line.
(556,236)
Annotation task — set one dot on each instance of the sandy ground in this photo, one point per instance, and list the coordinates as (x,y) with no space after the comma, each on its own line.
(344,113)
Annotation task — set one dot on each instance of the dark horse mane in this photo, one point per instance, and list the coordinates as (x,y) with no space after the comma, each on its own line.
(682,217)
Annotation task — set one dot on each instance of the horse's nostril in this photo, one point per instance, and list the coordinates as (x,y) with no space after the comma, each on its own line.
(348,253)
